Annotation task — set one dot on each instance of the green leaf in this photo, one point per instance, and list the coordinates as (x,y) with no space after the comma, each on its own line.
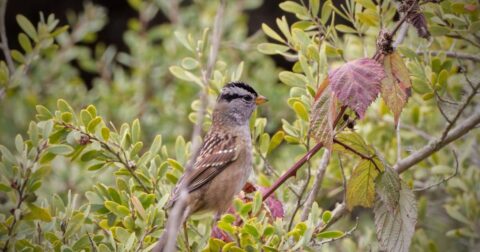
(322,115)
(67,117)
(89,155)
(345,28)
(326,216)
(19,144)
(189,63)
(330,234)
(276,140)
(250,229)
(257,203)
(354,141)
(271,33)
(38,213)
(85,116)
(43,113)
(293,7)
(300,110)
(5,188)
(17,56)
(82,243)
(7,155)
(387,187)
(27,27)
(92,125)
(395,228)
(74,224)
(98,166)
(25,42)
(270,48)
(292,79)
(63,106)
(136,131)
(367,4)
(60,149)
(105,133)
(184,74)
(361,185)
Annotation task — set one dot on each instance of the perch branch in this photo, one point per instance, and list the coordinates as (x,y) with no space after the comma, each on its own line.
(166,243)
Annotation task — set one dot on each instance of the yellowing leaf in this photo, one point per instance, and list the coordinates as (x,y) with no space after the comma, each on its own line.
(395,228)
(322,115)
(361,186)
(38,213)
(396,87)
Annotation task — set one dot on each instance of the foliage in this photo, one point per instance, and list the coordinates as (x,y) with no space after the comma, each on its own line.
(81,178)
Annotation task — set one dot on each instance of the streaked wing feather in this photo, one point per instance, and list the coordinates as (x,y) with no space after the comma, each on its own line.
(216,153)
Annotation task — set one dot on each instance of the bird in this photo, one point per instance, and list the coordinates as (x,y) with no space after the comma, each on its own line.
(224,162)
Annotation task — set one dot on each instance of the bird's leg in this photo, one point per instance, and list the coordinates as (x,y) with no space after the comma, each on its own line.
(186,236)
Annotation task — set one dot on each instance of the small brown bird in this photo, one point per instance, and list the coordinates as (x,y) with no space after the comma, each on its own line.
(224,162)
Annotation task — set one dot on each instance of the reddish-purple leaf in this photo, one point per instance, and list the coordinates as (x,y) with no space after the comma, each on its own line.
(357,83)
(322,115)
(396,87)
(220,234)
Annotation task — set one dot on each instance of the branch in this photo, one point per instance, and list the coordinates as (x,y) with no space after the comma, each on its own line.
(120,155)
(444,180)
(206,75)
(316,184)
(363,156)
(346,234)
(20,189)
(406,163)
(436,144)
(462,108)
(3,36)
(293,170)
(180,210)
(457,55)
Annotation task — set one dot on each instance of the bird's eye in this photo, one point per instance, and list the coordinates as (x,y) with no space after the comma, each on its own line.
(247,98)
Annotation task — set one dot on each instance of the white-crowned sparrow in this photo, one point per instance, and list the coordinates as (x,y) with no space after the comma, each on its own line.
(224,162)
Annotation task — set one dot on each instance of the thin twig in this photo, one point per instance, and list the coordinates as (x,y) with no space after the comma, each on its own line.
(206,76)
(316,184)
(302,191)
(363,156)
(3,36)
(21,194)
(444,180)
(462,108)
(399,141)
(346,234)
(121,156)
(344,178)
(451,54)
(433,146)
(401,36)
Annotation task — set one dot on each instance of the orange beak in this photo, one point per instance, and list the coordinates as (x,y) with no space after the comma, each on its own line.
(261,100)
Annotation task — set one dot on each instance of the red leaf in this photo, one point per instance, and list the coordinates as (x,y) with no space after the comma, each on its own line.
(357,83)
(396,87)
(220,234)
(322,115)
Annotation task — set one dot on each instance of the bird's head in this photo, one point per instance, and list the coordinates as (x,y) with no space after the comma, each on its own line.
(236,102)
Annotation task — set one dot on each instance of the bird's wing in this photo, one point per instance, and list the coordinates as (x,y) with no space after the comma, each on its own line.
(217,152)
